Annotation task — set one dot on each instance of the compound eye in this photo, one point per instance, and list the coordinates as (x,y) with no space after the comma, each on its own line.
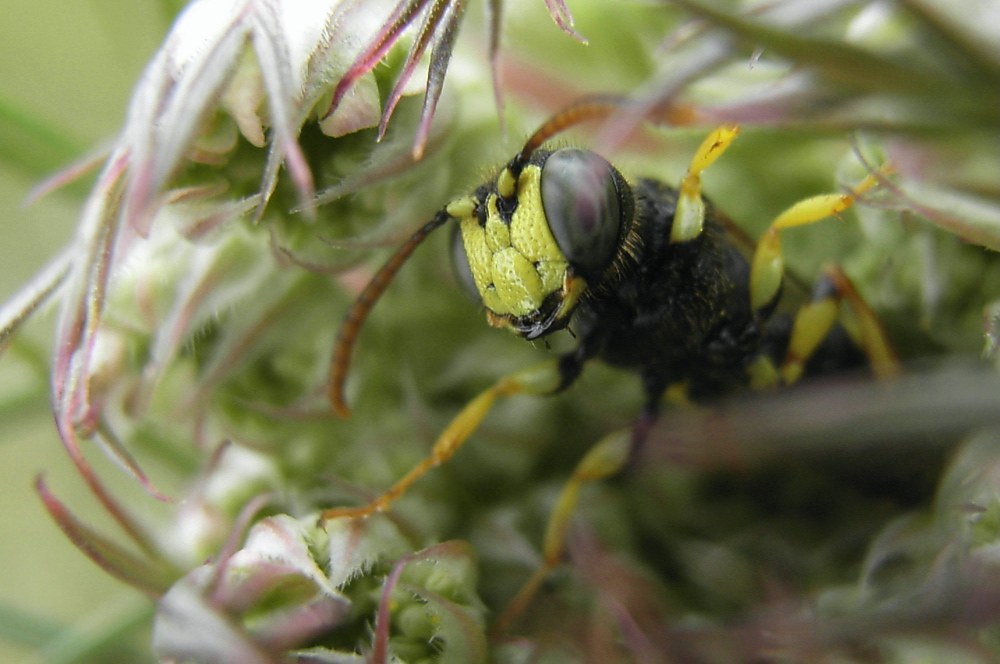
(581,202)
(460,263)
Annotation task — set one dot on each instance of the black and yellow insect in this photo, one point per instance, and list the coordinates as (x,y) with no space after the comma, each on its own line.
(646,274)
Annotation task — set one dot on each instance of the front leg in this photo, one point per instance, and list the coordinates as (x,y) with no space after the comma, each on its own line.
(545,378)
(571,364)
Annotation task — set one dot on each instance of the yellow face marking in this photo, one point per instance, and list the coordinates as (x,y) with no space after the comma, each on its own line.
(551,274)
(573,288)
(479,254)
(505,183)
(516,281)
(515,267)
(492,301)
(462,207)
(497,233)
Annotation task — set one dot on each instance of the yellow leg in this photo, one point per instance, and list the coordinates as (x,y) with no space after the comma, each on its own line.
(763,374)
(870,334)
(812,323)
(814,320)
(542,379)
(768,266)
(690,215)
(606,458)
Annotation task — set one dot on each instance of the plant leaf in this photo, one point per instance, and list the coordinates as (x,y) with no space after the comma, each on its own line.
(853,68)
(149,577)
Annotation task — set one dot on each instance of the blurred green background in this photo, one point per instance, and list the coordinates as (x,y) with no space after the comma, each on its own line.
(67,68)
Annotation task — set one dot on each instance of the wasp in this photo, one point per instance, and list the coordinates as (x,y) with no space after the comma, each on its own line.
(648,275)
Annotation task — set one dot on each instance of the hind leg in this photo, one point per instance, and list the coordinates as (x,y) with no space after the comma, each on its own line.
(815,320)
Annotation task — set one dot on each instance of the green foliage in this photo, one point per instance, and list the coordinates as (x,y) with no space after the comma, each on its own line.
(864,539)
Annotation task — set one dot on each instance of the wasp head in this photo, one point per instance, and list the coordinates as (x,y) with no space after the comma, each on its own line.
(529,242)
